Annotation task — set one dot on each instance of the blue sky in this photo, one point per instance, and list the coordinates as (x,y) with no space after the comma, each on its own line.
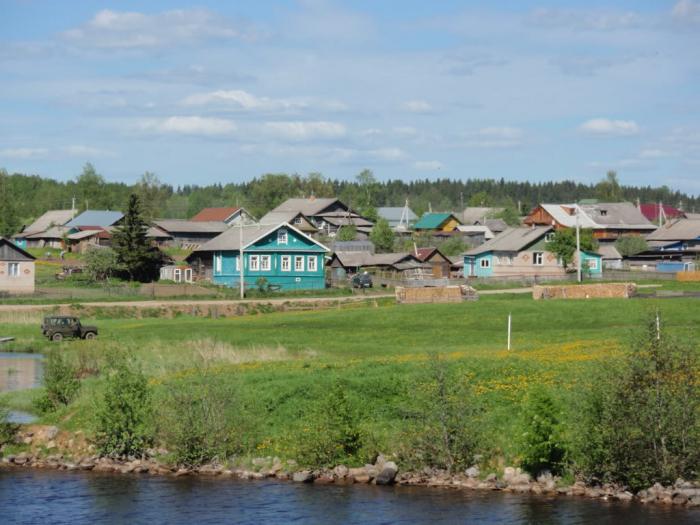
(218,92)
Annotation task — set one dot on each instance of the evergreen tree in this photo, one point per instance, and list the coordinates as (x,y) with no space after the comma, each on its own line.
(9,222)
(135,255)
(382,236)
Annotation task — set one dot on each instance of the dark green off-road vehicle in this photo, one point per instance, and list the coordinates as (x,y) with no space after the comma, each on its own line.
(59,327)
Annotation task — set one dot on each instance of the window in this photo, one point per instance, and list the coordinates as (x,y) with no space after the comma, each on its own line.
(538,258)
(603,213)
(177,275)
(265,263)
(281,236)
(485,263)
(238,263)
(286,263)
(297,220)
(592,264)
(14,269)
(549,237)
(254,263)
(188,275)
(217,263)
(298,263)
(311,263)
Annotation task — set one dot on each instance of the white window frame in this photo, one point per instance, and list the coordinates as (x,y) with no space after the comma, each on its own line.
(309,266)
(549,237)
(297,220)
(218,263)
(188,275)
(13,269)
(238,262)
(484,263)
(286,263)
(265,263)
(298,263)
(254,263)
(177,275)
(282,236)
(538,258)
(592,263)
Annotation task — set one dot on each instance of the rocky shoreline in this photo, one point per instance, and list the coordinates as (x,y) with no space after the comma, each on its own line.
(42,443)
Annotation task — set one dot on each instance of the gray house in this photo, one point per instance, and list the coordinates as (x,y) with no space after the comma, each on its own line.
(393,215)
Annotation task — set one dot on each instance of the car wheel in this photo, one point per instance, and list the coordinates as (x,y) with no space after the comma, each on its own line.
(90,335)
(57,337)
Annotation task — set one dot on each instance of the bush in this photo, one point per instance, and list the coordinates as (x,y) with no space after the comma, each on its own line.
(330,433)
(60,383)
(443,431)
(641,424)
(7,429)
(202,420)
(542,446)
(123,412)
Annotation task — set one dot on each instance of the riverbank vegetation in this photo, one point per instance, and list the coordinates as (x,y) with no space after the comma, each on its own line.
(581,394)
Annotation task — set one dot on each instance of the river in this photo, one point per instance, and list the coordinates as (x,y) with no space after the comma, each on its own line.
(39,496)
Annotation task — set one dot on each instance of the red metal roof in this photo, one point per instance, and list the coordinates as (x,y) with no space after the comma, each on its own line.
(423,254)
(651,212)
(214,214)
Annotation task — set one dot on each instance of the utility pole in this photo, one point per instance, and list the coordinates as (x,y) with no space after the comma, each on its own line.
(72,207)
(240,253)
(578,247)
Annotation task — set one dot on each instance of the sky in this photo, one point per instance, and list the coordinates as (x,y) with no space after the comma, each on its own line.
(226,91)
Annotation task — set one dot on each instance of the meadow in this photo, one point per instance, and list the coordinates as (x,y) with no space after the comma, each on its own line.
(282,364)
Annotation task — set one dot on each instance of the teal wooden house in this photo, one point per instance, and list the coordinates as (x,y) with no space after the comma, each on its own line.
(287,258)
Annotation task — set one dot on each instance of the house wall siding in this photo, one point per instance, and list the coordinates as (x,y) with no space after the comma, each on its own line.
(21,284)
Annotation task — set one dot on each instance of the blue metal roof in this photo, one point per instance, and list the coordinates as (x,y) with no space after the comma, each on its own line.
(101,218)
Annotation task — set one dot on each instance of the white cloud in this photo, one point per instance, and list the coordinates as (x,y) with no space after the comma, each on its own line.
(686,11)
(652,153)
(586,20)
(23,153)
(133,30)
(428,165)
(242,100)
(299,131)
(608,127)
(79,150)
(189,126)
(417,106)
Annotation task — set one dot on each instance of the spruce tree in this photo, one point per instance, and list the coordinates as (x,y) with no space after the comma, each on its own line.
(136,257)
(9,222)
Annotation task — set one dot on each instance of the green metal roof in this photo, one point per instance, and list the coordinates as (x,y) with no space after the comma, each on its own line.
(431,221)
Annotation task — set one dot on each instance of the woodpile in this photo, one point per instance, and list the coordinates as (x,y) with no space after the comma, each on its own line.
(688,276)
(585,291)
(438,294)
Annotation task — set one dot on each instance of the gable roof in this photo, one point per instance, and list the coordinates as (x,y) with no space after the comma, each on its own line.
(474,214)
(511,240)
(600,216)
(231,238)
(55,232)
(607,250)
(185,226)
(431,221)
(678,230)
(393,214)
(9,251)
(309,207)
(215,214)
(359,259)
(277,217)
(96,218)
(651,211)
(49,219)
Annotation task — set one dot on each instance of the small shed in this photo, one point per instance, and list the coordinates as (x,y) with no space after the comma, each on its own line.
(176,273)
(17,270)
(439,263)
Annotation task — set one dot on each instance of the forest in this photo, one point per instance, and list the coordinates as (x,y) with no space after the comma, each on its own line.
(23,197)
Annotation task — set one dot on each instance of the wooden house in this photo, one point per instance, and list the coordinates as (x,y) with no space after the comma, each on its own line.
(439,263)
(185,234)
(17,270)
(229,215)
(522,252)
(295,218)
(284,256)
(327,214)
(437,222)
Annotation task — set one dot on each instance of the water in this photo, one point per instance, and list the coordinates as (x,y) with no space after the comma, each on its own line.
(74,498)
(20,372)
(34,496)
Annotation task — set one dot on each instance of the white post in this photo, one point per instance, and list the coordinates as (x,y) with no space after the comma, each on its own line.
(658,327)
(240,255)
(578,247)
(509,329)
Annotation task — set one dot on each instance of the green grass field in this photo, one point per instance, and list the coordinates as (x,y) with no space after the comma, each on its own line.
(283,363)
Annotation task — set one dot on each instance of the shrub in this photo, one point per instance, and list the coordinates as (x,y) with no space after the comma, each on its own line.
(330,433)
(202,420)
(123,412)
(443,426)
(7,429)
(60,383)
(542,443)
(642,420)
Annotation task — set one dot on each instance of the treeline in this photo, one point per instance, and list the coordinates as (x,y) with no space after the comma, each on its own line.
(25,197)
